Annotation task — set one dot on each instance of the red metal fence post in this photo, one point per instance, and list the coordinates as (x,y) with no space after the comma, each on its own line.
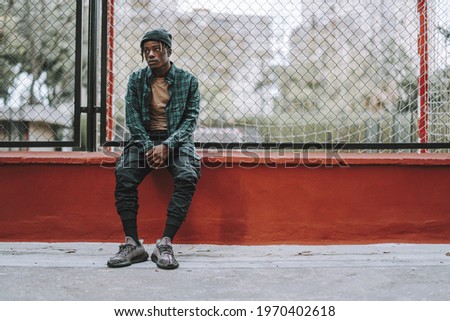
(110,73)
(422,45)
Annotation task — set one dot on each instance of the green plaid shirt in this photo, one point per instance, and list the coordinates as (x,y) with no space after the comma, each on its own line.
(182,109)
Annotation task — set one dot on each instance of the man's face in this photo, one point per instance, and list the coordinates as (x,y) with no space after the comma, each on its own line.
(156,55)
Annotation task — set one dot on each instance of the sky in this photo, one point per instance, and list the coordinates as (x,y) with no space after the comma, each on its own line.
(236,6)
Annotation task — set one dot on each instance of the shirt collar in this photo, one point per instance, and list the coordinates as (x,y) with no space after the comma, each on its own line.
(170,77)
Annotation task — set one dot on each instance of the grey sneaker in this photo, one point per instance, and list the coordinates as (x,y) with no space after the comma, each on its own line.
(128,254)
(163,254)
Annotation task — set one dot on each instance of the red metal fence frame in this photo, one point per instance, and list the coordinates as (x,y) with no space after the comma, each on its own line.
(422,46)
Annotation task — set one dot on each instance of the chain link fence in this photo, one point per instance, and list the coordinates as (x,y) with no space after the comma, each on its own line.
(270,71)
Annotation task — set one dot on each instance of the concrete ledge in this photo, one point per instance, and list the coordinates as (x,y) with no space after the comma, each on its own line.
(237,157)
(65,158)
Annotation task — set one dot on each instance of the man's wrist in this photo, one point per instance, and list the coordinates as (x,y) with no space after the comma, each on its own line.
(168,142)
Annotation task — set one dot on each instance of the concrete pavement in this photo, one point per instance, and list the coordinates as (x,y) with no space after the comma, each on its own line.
(77,271)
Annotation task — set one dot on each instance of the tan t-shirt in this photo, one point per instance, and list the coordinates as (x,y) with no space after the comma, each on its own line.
(158,103)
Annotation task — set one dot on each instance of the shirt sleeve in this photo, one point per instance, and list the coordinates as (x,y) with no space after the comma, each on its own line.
(139,135)
(189,118)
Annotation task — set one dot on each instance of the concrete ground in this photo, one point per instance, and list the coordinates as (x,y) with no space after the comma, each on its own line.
(77,271)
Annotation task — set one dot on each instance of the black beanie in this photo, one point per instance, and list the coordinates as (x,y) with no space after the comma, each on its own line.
(160,35)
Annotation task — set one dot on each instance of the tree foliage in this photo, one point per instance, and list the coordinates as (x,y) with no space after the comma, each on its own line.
(37,37)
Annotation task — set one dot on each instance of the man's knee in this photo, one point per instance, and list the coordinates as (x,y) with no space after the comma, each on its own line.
(131,158)
(188,175)
(127,179)
(185,169)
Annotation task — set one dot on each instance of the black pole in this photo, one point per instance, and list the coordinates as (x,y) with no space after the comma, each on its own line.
(92,78)
(103,71)
(78,66)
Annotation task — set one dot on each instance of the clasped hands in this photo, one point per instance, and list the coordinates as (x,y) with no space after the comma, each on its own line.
(157,156)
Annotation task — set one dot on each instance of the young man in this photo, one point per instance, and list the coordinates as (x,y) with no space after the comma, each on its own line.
(162,108)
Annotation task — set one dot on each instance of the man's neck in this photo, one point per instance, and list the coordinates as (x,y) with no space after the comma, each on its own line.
(161,72)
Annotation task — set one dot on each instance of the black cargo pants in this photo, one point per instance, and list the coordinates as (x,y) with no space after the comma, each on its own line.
(132,168)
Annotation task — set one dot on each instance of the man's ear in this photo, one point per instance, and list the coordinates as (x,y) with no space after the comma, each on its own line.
(169,51)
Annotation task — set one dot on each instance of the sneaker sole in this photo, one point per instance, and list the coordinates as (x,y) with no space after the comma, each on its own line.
(154,259)
(138,259)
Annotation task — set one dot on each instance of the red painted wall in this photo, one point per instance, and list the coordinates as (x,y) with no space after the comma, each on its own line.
(241,199)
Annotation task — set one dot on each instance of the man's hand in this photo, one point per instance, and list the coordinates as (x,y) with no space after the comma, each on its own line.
(157,156)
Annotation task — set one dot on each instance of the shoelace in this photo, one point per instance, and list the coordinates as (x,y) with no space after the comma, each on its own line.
(125,249)
(165,249)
